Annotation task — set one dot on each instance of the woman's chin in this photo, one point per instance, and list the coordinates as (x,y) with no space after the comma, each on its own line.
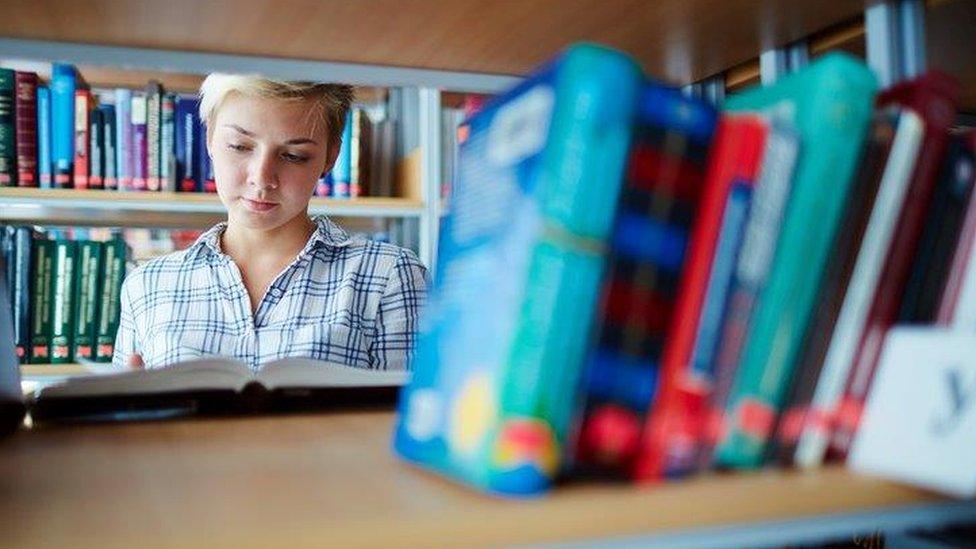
(257,220)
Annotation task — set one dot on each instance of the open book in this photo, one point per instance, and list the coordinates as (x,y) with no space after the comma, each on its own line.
(217,385)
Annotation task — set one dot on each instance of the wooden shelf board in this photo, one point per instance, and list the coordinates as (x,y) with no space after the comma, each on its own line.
(38,370)
(679,40)
(157,209)
(321,479)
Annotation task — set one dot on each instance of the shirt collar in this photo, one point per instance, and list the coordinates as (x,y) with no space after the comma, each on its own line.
(326,233)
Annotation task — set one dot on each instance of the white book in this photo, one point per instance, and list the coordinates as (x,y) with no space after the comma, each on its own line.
(919,424)
(814,439)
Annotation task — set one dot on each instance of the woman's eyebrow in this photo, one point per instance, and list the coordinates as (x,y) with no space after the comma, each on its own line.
(295,141)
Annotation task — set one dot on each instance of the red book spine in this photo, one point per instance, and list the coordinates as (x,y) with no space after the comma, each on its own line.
(83,106)
(736,152)
(26,128)
(934,97)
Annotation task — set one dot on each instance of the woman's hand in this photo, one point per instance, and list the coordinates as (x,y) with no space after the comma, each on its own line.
(135,362)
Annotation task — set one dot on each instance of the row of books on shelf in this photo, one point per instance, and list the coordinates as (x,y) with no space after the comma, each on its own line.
(719,299)
(65,284)
(64,294)
(63,134)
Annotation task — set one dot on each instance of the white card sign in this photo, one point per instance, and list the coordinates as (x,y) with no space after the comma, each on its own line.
(919,424)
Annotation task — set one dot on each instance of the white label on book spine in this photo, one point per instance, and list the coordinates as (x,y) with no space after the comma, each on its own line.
(520,128)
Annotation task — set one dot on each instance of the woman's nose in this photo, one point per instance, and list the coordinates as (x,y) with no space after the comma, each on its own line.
(263,173)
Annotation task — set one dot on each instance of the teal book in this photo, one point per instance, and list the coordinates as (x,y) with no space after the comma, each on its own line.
(63,309)
(88,289)
(503,339)
(42,292)
(829,103)
(114,255)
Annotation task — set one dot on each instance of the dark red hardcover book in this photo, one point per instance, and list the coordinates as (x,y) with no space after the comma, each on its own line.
(933,96)
(83,107)
(26,124)
(946,214)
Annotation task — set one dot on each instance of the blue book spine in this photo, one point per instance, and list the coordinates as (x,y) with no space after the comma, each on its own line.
(503,340)
(720,280)
(185,144)
(63,84)
(123,138)
(96,150)
(206,180)
(20,285)
(44,167)
(342,172)
(109,136)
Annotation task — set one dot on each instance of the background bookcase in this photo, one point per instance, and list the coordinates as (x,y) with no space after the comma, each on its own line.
(433,51)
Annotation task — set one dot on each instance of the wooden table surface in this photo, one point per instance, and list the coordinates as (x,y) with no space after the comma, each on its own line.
(331,479)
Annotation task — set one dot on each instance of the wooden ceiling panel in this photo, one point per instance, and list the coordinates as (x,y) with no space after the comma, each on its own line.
(681,40)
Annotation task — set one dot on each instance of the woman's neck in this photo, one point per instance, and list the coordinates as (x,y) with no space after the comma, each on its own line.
(244,243)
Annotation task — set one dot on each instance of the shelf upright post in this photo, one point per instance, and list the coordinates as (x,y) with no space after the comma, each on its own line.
(883,39)
(429,125)
(773,64)
(692,90)
(713,89)
(778,62)
(912,27)
(798,54)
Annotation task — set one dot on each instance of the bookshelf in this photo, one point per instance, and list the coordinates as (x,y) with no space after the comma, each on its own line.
(684,41)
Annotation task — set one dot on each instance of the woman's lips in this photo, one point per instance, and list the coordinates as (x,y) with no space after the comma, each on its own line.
(259,206)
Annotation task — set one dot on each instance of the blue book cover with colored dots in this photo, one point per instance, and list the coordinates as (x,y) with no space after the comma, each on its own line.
(522,251)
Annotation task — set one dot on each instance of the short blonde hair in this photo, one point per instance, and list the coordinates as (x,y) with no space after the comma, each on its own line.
(332,101)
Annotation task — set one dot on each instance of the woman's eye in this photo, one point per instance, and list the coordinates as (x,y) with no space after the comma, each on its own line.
(296,158)
(237,147)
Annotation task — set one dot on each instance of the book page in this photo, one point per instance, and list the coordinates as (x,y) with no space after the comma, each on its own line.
(308,372)
(201,374)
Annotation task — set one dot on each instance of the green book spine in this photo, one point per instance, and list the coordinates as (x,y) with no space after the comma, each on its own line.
(42,292)
(88,291)
(63,310)
(113,271)
(830,105)
(8,129)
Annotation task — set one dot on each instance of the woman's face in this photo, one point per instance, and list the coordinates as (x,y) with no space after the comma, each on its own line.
(267,156)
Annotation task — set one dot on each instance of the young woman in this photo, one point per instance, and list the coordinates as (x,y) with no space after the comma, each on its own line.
(270,282)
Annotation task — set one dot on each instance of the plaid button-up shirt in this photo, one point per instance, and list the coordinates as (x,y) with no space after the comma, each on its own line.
(343,299)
